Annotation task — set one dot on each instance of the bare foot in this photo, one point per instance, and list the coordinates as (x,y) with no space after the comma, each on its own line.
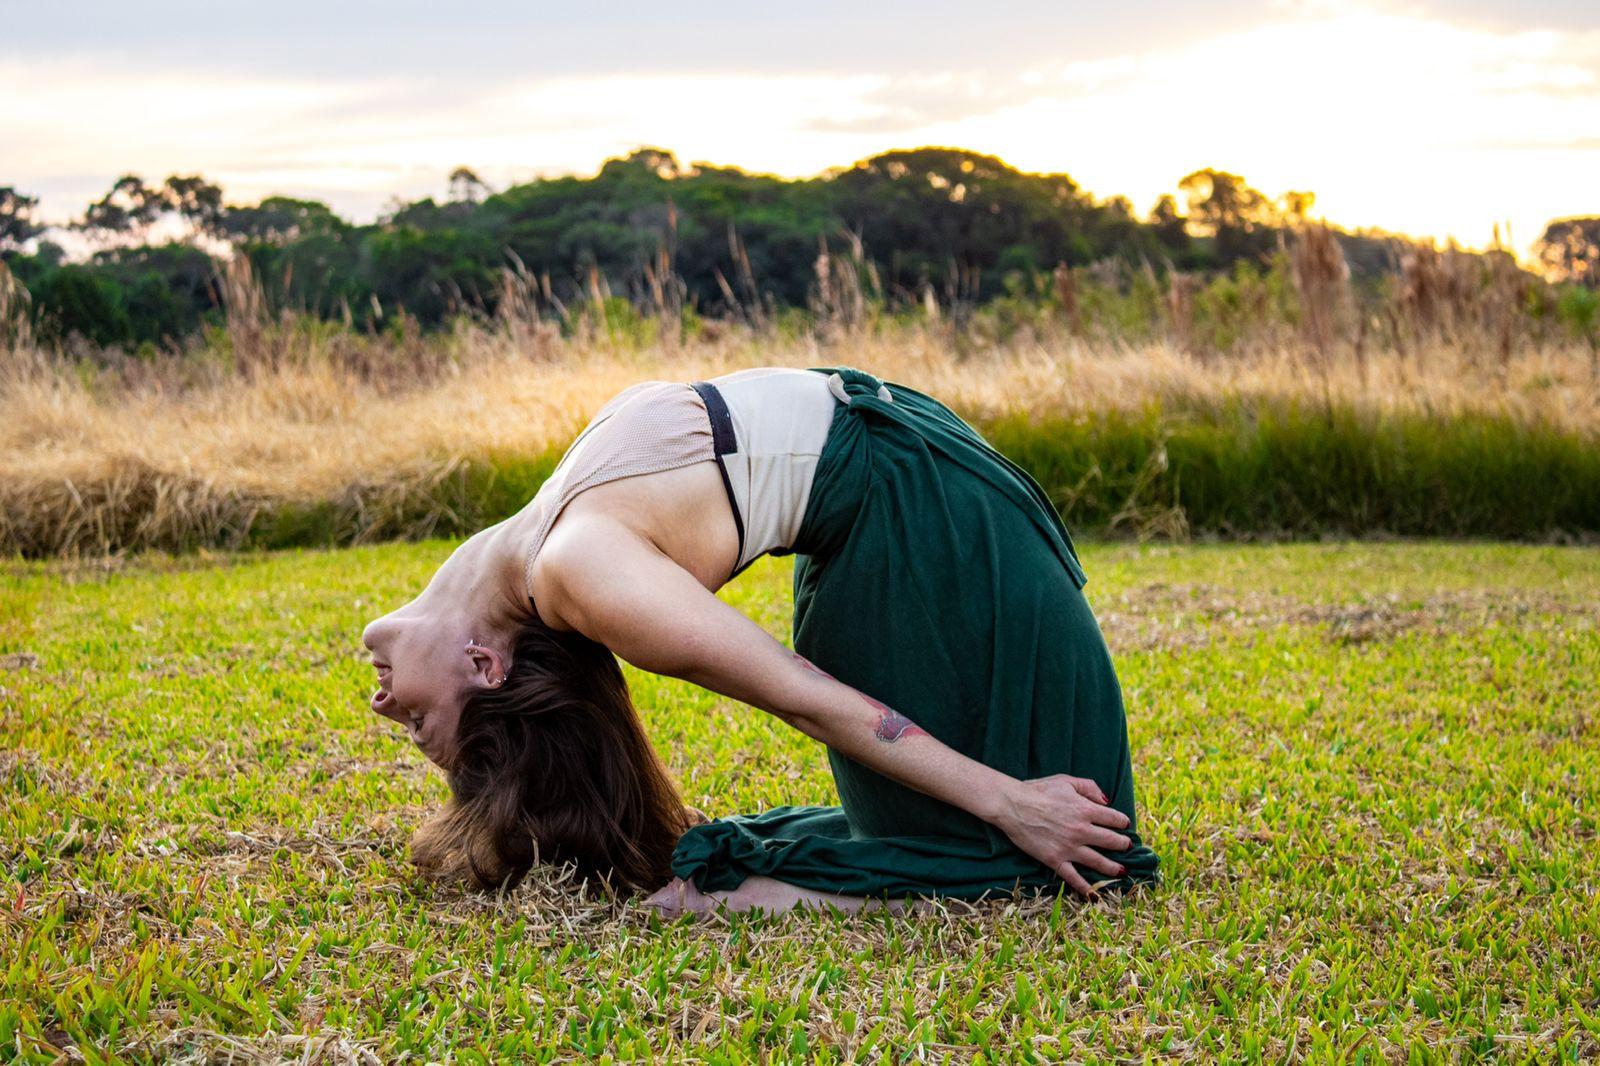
(679,897)
(770,896)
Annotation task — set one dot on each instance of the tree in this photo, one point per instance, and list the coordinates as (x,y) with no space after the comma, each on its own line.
(130,205)
(1569,250)
(80,300)
(195,199)
(164,292)
(16,217)
(1238,218)
(958,220)
(1171,228)
(429,216)
(658,161)
(466,186)
(278,220)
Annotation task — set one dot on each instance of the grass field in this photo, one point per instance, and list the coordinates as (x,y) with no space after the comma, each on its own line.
(1371,771)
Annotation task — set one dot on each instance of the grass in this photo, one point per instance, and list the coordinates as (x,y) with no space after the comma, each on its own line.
(325,448)
(1253,471)
(1371,771)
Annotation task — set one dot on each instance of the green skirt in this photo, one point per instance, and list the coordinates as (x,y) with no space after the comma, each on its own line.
(934,574)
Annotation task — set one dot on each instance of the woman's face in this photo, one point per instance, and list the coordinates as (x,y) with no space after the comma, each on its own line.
(424,671)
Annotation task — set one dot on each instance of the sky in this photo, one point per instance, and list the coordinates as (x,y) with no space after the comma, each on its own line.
(1428,117)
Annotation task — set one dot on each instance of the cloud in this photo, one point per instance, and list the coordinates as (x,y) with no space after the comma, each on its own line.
(1394,120)
(1395,116)
(907,103)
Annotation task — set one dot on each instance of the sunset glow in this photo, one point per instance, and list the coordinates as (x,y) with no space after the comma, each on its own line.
(1413,119)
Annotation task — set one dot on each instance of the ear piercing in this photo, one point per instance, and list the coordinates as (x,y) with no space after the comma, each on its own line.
(478,644)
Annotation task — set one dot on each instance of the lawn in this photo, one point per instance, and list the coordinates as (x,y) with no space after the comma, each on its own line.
(1371,771)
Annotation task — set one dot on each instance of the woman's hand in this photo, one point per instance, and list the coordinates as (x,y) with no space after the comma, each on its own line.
(1060,820)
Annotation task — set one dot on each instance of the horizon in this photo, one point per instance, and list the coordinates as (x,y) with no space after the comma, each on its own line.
(1435,119)
(79,244)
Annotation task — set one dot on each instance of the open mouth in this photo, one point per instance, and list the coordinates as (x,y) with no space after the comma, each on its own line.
(383,699)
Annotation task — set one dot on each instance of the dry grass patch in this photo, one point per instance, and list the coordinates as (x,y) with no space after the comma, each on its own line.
(1169,617)
(174,454)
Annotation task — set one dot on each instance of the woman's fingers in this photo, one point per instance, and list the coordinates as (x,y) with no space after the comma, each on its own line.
(1108,816)
(1064,820)
(1074,879)
(1096,861)
(1086,788)
(1105,838)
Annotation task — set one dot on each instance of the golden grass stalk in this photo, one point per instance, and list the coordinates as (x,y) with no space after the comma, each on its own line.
(91,461)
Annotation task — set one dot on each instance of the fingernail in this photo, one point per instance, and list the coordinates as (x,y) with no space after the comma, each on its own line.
(1103,798)
(1121,870)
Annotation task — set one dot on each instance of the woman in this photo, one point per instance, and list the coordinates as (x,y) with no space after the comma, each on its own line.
(943,652)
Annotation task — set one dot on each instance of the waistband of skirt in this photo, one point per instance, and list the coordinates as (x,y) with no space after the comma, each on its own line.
(944,430)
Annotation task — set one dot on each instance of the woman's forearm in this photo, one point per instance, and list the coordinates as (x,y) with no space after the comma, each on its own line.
(885,739)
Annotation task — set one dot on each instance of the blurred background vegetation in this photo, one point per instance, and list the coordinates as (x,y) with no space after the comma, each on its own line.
(926,228)
(197,374)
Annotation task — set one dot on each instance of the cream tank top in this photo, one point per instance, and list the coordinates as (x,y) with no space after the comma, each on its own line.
(764,426)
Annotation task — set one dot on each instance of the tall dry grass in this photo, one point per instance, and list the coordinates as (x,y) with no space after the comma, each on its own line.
(196,448)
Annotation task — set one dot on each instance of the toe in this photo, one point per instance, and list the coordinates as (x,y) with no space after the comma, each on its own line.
(668,901)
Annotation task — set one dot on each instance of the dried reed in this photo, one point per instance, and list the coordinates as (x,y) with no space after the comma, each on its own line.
(94,463)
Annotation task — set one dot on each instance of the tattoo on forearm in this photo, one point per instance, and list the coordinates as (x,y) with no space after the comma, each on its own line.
(892,725)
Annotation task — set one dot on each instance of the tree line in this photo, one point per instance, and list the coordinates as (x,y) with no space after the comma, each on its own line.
(928,224)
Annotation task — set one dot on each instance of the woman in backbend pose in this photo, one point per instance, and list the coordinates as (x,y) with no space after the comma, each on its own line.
(943,651)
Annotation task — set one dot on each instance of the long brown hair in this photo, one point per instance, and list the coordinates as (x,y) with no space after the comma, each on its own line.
(554,766)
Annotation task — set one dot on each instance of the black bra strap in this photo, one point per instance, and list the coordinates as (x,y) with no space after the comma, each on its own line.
(722,438)
(723,441)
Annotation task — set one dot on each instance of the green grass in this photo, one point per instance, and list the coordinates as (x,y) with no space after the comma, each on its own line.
(1371,772)
(1286,468)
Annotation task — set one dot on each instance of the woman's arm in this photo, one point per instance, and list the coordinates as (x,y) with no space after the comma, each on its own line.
(623,592)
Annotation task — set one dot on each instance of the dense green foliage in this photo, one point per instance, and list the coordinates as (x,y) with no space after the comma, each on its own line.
(1371,771)
(952,225)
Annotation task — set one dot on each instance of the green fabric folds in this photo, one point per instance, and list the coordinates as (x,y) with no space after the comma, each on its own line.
(934,574)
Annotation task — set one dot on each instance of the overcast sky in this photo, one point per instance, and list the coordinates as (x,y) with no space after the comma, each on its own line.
(1436,117)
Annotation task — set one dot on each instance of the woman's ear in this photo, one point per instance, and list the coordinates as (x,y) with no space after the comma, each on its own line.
(488,665)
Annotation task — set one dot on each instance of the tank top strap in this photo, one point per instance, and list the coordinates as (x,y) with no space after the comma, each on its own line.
(648,427)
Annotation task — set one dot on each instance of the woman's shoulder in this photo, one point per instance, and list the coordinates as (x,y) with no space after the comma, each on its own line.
(755,372)
(643,401)
(639,390)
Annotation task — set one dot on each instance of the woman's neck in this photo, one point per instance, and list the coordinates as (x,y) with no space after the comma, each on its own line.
(482,583)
